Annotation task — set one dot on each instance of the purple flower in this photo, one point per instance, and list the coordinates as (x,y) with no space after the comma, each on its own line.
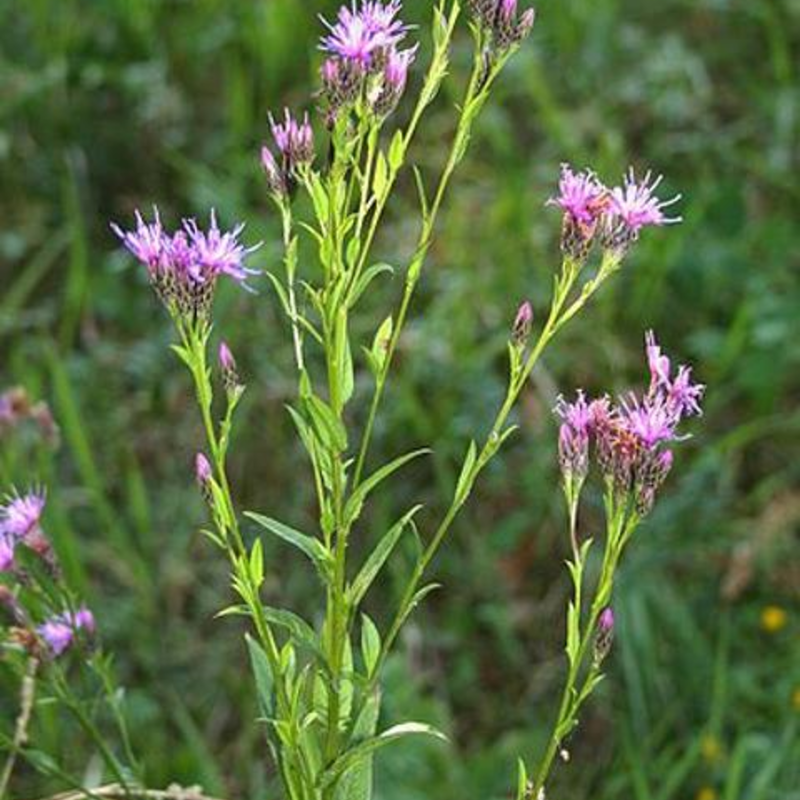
(59,632)
(395,77)
(147,242)
(651,421)
(636,206)
(363,30)
(21,514)
(684,395)
(581,196)
(573,436)
(216,253)
(293,139)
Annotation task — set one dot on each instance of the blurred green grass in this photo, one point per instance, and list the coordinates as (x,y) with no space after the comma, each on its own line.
(108,105)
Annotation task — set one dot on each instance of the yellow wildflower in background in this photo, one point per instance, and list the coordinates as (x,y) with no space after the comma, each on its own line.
(796,699)
(711,748)
(706,793)
(773,619)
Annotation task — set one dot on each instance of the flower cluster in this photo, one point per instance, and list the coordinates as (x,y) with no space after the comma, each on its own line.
(184,266)
(614,215)
(632,437)
(294,143)
(60,631)
(20,525)
(20,518)
(364,59)
(501,20)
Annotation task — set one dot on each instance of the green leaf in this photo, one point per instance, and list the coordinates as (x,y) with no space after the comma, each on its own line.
(522,780)
(358,498)
(370,644)
(397,151)
(374,563)
(365,279)
(312,547)
(357,783)
(329,429)
(573,633)
(263,675)
(464,485)
(366,748)
(380,181)
(381,342)
(257,564)
(299,630)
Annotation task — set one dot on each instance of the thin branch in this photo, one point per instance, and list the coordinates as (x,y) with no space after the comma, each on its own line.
(27,697)
(116,792)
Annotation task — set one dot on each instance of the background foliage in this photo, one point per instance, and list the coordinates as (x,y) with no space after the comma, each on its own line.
(109,105)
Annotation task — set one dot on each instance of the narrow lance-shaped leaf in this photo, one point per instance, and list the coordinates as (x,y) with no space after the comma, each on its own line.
(366,748)
(378,557)
(312,547)
(359,496)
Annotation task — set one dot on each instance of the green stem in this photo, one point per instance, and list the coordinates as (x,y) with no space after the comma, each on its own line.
(297,336)
(417,262)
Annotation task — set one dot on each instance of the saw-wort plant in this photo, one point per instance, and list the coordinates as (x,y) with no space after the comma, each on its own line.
(319,681)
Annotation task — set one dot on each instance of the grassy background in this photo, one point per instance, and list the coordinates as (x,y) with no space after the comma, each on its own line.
(109,104)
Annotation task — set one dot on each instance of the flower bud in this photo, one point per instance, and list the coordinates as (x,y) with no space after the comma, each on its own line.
(275,179)
(227,363)
(523,322)
(605,635)
(202,472)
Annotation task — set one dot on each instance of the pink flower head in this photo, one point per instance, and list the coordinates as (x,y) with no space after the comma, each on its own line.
(636,205)
(217,253)
(523,323)
(651,421)
(147,242)
(574,435)
(364,29)
(395,72)
(59,632)
(684,395)
(21,514)
(581,196)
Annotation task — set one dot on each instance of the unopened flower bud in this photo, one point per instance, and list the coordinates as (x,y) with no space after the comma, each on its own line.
(523,322)
(230,374)
(275,179)
(605,635)
(202,472)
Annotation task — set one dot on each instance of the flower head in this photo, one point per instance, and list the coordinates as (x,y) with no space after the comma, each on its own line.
(635,205)
(584,201)
(393,84)
(21,514)
(214,253)
(573,436)
(632,437)
(184,266)
(59,632)
(363,31)
(147,242)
